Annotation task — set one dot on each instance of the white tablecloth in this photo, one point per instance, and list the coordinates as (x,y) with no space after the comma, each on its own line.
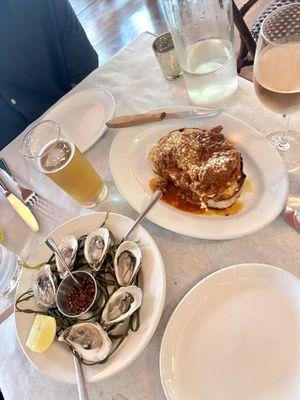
(134,78)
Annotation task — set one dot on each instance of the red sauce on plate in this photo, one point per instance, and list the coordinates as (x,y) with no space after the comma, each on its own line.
(173,197)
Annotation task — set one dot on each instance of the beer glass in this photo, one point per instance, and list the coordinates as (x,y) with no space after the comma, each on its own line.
(55,155)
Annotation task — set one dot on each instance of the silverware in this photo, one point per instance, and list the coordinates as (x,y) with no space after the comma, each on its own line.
(22,209)
(124,121)
(120,397)
(29,197)
(81,386)
(292,217)
(53,247)
(6,314)
(154,199)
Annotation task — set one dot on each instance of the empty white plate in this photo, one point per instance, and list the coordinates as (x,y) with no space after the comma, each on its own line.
(235,336)
(83,115)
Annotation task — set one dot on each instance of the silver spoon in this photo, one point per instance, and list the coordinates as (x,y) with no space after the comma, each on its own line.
(53,247)
(81,386)
(154,199)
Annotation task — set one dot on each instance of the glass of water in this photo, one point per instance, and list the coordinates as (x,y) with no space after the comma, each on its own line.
(9,272)
(203,34)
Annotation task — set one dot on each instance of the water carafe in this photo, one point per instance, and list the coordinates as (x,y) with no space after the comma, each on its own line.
(203,34)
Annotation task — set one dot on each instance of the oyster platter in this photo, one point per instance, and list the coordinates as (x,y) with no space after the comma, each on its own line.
(94,316)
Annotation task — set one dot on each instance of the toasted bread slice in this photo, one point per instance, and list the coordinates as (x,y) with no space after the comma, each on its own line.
(202,163)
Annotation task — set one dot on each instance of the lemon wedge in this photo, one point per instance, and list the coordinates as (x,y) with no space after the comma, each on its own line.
(42,333)
(1,236)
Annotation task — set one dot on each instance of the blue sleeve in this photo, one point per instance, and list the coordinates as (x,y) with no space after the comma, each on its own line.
(79,56)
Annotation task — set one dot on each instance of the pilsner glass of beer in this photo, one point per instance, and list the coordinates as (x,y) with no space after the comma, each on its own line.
(55,155)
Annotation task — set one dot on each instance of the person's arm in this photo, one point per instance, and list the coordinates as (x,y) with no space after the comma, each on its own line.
(79,56)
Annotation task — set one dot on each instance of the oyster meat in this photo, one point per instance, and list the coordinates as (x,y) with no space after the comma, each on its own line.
(44,285)
(121,305)
(90,341)
(127,262)
(96,246)
(68,247)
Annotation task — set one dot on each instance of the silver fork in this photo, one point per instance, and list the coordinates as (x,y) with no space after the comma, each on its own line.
(29,197)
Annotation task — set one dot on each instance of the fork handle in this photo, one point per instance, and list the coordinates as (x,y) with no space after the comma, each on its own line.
(6,169)
(81,386)
(154,199)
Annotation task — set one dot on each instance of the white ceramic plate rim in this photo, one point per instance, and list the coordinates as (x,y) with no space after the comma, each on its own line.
(197,287)
(149,330)
(89,141)
(136,197)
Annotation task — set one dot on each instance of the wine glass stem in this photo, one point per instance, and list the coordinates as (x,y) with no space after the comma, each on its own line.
(284,144)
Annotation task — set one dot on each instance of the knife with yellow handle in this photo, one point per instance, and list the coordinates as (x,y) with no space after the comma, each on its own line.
(23,211)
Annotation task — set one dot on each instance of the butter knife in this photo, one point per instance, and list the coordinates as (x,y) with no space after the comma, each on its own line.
(23,211)
(124,121)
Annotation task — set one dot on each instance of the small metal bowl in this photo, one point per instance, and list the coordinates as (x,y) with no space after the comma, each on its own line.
(63,290)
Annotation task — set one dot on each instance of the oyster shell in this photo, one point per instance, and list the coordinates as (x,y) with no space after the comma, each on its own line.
(44,285)
(68,247)
(89,340)
(127,262)
(123,303)
(96,246)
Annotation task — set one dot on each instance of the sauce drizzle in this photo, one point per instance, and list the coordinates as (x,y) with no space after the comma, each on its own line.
(172,196)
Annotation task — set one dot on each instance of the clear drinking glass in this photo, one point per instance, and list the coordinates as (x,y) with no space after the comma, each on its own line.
(9,272)
(203,34)
(55,155)
(277,74)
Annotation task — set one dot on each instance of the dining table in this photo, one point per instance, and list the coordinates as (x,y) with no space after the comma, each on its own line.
(134,78)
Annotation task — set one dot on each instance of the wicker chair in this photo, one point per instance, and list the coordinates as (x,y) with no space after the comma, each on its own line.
(248,35)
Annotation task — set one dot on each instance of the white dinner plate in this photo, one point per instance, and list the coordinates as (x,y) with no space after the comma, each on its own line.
(83,115)
(235,336)
(263,166)
(57,361)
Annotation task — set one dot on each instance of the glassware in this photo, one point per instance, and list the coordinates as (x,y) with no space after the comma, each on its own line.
(203,33)
(277,74)
(9,272)
(55,155)
(166,56)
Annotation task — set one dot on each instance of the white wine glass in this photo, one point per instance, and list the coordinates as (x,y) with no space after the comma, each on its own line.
(277,74)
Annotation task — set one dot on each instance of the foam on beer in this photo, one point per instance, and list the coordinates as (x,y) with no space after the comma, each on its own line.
(56,155)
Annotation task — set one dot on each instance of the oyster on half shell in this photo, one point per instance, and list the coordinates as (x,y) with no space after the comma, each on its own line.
(96,246)
(68,247)
(127,262)
(121,305)
(44,285)
(90,341)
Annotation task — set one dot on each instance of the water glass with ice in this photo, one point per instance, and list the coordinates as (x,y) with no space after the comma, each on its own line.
(9,272)
(203,34)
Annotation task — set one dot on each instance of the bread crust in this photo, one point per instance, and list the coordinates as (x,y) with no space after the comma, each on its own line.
(203,164)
